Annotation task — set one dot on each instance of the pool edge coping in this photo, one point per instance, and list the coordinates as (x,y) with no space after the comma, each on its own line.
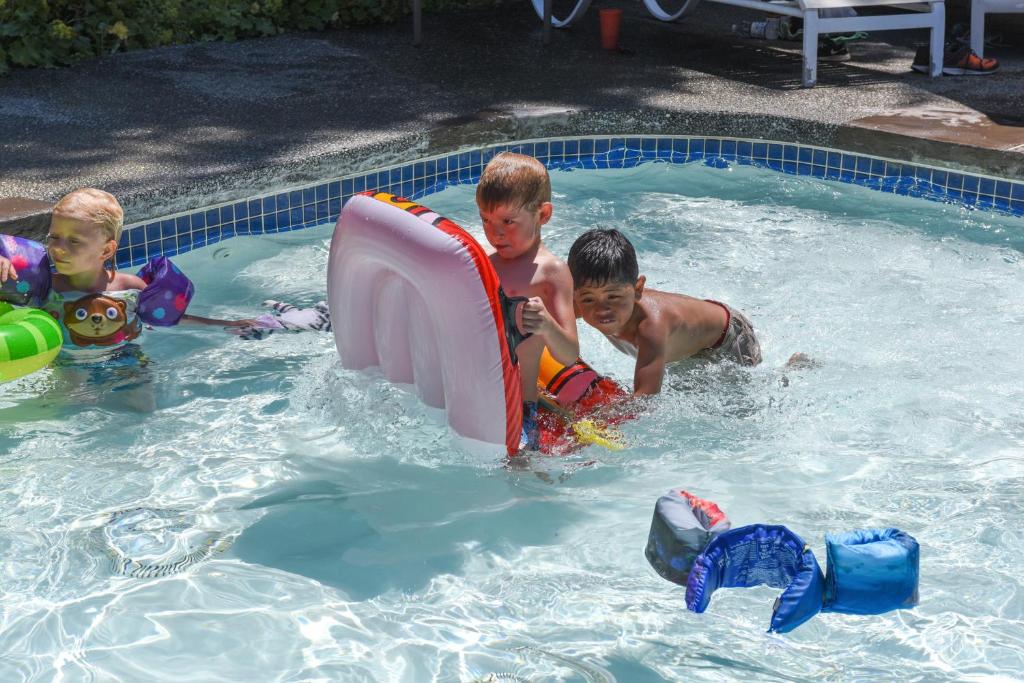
(491,126)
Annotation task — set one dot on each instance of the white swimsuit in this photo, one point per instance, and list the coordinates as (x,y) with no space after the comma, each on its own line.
(95,323)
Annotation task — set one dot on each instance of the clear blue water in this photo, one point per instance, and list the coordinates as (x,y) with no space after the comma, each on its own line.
(347,537)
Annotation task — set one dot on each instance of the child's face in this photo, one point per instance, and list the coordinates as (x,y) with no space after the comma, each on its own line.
(77,246)
(609,306)
(514,231)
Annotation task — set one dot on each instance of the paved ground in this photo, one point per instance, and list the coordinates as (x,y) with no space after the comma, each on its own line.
(178,127)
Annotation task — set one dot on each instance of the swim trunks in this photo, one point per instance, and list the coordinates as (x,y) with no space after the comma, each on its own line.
(737,342)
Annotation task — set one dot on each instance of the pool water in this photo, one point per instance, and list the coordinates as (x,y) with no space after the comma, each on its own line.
(340,533)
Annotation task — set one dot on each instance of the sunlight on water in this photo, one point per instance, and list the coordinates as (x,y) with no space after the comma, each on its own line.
(296,521)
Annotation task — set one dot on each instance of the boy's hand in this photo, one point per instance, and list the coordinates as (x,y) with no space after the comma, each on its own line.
(7,270)
(536,319)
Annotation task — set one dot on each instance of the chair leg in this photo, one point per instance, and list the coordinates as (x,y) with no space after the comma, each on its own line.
(978,27)
(417,22)
(545,35)
(810,48)
(938,38)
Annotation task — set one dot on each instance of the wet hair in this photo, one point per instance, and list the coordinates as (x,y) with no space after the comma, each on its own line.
(514,180)
(89,205)
(599,257)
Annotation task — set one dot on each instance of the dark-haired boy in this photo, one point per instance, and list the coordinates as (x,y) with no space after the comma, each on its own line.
(655,327)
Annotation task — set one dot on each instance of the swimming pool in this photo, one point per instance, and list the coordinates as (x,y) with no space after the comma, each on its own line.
(355,541)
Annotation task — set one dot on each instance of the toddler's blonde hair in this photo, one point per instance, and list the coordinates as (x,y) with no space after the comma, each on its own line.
(94,206)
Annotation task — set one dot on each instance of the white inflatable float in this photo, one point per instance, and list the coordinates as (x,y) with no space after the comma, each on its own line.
(414,294)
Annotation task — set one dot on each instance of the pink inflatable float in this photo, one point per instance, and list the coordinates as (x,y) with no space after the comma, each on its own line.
(414,294)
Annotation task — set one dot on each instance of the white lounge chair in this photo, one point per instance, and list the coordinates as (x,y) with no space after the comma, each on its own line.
(929,14)
(979,8)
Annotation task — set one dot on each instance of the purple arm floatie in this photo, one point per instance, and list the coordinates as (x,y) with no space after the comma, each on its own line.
(33,265)
(167,293)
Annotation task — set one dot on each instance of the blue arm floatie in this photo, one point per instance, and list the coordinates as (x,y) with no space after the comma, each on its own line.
(167,293)
(760,554)
(871,571)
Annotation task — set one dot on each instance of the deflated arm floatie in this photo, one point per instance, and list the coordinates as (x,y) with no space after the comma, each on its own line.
(167,293)
(682,527)
(871,571)
(33,267)
(760,554)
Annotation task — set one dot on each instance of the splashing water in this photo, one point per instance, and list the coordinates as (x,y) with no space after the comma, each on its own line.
(368,546)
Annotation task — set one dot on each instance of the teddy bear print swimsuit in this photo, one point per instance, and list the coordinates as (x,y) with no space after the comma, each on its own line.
(95,323)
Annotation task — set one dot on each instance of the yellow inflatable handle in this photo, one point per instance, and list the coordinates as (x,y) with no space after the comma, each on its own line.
(589,432)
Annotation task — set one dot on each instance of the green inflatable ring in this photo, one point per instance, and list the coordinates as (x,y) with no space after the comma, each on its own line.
(29,340)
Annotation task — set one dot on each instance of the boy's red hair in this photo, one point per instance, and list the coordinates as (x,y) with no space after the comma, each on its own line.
(514,180)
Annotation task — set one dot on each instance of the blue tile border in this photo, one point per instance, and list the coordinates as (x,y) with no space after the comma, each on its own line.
(319,203)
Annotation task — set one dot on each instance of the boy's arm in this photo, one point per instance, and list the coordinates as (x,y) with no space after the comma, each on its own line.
(650,363)
(555,322)
(196,320)
(124,281)
(127,281)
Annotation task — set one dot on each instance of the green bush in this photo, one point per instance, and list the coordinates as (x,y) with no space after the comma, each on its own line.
(57,32)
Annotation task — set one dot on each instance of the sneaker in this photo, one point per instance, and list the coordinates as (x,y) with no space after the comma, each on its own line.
(958,60)
(832,51)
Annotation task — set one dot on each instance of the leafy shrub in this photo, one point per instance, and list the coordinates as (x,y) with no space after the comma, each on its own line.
(50,33)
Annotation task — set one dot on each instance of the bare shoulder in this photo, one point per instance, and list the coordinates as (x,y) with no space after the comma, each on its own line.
(123,281)
(655,327)
(551,268)
(554,276)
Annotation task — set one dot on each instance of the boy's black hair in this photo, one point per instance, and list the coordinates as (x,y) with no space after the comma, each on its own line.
(598,257)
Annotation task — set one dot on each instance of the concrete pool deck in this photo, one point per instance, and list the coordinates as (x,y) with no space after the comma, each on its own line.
(178,128)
